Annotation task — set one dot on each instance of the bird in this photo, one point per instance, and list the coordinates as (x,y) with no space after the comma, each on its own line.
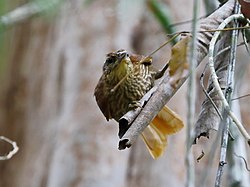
(126,78)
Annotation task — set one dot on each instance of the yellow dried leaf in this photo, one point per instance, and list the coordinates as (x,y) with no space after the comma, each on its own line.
(178,62)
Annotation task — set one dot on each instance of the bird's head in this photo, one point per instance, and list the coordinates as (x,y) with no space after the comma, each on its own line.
(118,64)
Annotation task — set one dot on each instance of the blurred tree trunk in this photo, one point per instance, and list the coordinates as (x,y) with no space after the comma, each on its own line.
(47,103)
(51,67)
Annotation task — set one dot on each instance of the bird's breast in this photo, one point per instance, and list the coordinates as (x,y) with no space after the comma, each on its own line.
(132,89)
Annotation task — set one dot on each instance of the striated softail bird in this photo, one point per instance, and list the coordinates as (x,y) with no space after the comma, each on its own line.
(125,80)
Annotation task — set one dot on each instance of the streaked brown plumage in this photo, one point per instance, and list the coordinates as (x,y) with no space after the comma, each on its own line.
(125,80)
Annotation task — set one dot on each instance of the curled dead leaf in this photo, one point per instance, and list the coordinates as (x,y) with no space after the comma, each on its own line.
(178,64)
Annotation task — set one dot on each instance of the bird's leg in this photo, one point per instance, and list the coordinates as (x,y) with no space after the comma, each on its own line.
(161,72)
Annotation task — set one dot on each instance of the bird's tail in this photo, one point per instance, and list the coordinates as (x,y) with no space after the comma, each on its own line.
(167,122)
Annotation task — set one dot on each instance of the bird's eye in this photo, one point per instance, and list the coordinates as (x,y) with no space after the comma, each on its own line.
(110,60)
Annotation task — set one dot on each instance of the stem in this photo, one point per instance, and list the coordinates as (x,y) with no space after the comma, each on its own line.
(223,150)
(228,96)
(191,98)
(12,152)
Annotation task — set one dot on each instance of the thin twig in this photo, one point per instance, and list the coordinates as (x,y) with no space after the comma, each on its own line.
(245,41)
(12,152)
(228,48)
(228,95)
(223,150)
(227,29)
(240,97)
(143,59)
(210,30)
(206,93)
(165,43)
(191,98)
(245,162)
(185,22)
(119,83)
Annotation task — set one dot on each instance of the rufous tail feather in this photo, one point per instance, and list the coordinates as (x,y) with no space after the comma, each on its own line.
(167,122)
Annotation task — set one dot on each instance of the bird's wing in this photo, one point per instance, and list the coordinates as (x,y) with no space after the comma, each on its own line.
(135,59)
(102,98)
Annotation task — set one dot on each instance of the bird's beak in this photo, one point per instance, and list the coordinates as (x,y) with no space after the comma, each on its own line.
(123,58)
(122,64)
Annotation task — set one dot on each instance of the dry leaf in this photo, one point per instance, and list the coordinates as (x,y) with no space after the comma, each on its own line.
(208,118)
(178,63)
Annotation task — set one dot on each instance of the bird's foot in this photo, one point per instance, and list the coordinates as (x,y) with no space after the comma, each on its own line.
(134,104)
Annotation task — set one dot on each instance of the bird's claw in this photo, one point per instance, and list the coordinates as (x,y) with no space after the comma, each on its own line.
(135,104)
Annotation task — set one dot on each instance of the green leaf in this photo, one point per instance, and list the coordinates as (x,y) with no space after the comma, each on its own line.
(162,14)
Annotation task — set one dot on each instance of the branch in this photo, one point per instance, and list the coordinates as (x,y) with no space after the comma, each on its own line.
(228,96)
(12,152)
(191,100)
(245,162)
(166,88)
(129,117)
